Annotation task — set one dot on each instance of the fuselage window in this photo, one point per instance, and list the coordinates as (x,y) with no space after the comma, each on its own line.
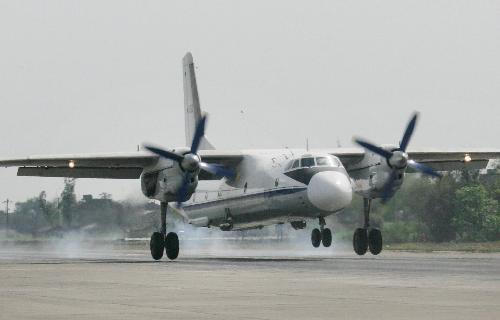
(307,162)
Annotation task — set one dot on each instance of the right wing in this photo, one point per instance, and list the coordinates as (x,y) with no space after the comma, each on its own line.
(105,166)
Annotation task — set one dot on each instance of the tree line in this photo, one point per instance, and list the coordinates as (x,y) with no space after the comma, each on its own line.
(462,206)
(100,216)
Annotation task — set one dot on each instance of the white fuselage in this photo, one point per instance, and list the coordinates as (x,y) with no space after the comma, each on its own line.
(267,190)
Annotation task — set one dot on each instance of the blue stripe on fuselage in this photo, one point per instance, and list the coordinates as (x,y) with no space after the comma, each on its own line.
(264,194)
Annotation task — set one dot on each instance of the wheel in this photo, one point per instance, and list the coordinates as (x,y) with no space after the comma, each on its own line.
(157,245)
(326,237)
(172,245)
(360,241)
(375,241)
(316,238)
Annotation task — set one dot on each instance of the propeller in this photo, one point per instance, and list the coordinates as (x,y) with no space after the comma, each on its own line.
(191,163)
(398,159)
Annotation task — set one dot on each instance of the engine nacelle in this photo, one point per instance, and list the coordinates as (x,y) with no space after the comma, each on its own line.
(371,175)
(164,182)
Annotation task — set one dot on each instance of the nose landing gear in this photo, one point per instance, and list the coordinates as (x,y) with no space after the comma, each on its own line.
(321,235)
(316,237)
(367,238)
(161,241)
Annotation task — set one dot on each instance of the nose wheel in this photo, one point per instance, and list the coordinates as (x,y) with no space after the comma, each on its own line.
(367,238)
(321,235)
(163,242)
(316,238)
(326,237)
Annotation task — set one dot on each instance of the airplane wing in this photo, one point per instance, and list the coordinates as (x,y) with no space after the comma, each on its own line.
(348,156)
(229,159)
(458,159)
(438,159)
(105,166)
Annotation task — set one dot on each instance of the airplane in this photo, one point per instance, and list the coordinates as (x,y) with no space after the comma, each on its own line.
(256,188)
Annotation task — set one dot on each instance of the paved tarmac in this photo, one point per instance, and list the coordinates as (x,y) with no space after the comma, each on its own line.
(122,282)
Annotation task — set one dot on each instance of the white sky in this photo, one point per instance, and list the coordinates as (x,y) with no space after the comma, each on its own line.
(99,76)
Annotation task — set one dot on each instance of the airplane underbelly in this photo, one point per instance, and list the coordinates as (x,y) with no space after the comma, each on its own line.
(254,209)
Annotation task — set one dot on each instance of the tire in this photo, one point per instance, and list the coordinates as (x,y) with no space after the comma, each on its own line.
(316,238)
(360,241)
(375,241)
(157,245)
(172,245)
(326,237)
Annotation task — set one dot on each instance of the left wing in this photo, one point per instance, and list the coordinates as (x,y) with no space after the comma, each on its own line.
(458,159)
(438,159)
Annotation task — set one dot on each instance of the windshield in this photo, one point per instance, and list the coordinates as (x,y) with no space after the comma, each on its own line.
(324,161)
(307,162)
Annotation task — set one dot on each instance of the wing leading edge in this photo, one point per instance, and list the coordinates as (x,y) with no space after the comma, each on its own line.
(105,166)
(438,159)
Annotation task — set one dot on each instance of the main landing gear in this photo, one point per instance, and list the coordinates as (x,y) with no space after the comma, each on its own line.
(161,241)
(367,238)
(321,235)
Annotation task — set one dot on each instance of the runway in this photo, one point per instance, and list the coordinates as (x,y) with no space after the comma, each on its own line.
(122,282)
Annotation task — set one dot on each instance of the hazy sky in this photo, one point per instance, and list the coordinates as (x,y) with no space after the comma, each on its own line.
(99,76)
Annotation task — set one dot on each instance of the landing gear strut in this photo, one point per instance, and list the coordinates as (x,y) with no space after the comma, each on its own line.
(367,238)
(161,241)
(321,235)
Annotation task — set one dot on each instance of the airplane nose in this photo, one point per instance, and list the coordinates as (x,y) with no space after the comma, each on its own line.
(330,191)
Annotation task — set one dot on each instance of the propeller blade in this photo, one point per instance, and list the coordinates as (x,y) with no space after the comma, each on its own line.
(178,210)
(198,134)
(218,170)
(424,169)
(373,148)
(182,193)
(165,154)
(387,190)
(408,132)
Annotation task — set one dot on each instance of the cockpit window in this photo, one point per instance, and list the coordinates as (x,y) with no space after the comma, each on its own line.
(307,162)
(336,162)
(324,161)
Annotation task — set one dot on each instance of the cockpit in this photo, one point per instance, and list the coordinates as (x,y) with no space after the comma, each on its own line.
(308,161)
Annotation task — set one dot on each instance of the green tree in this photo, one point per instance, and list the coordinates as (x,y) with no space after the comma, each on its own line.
(48,210)
(476,215)
(68,201)
(438,210)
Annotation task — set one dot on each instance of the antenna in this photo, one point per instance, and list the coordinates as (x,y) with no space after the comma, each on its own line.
(307,144)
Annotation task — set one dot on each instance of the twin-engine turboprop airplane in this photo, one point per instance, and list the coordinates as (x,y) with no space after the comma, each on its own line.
(258,187)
